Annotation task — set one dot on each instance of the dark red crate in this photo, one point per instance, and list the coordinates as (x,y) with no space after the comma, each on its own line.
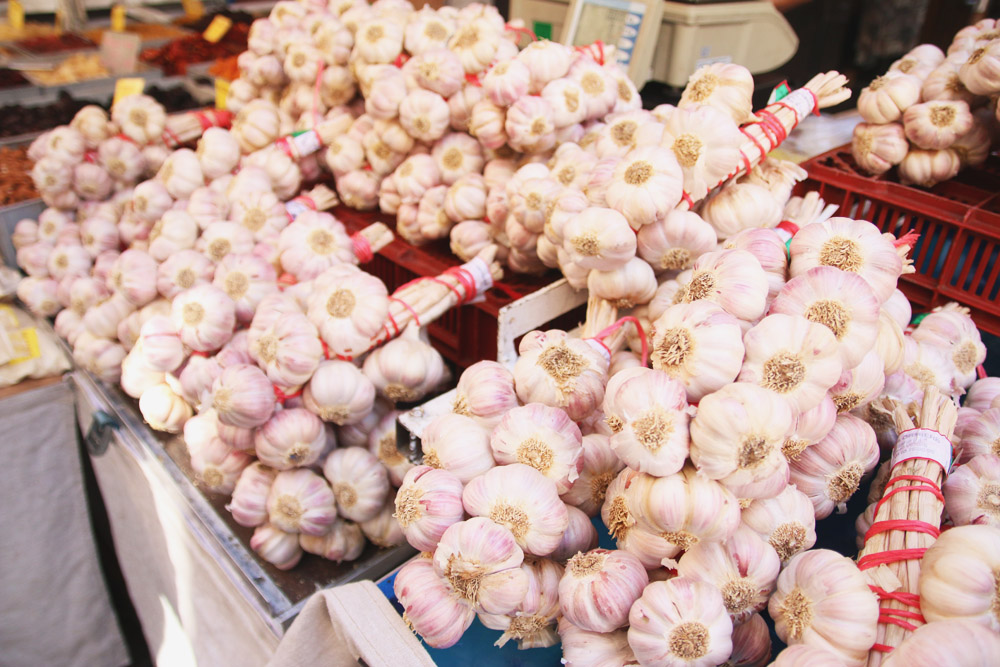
(463,335)
(956,256)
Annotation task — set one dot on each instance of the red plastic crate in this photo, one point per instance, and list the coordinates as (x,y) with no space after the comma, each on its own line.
(956,256)
(463,335)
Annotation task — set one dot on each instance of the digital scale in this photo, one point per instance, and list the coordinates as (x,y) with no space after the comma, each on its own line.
(667,41)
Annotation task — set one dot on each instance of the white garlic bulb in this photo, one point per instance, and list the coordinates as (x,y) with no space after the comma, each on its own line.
(733,279)
(277,547)
(600,467)
(428,502)
(291,438)
(787,522)
(561,372)
(343,542)
(594,649)
(972,492)
(485,392)
(958,576)
(300,501)
(360,483)
(541,437)
(249,502)
(599,587)
(876,148)
(339,392)
(956,642)
(886,98)
(458,444)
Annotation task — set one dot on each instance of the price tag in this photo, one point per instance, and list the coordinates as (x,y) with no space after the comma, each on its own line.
(118,18)
(120,52)
(193,9)
(217,29)
(128,86)
(922,443)
(15,14)
(221,93)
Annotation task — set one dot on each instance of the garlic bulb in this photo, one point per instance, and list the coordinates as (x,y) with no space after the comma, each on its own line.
(886,98)
(646,409)
(599,587)
(339,392)
(600,466)
(938,124)
(182,271)
(458,444)
(680,622)
(928,364)
(425,115)
(541,437)
(958,576)
(599,238)
(360,483)
(739,206)
(406,368)
(162,409)
(288,349)
(140,118)
(430,607)
(676,241)
(300,501)
(383,530)
(736,438)
(981,72)
(972,492)
(859,385)
(381,442)
(982,393)
(174,232)
(100,320)
(181,173)
(560,372)
(952,329)
(706,143)
(631,284)
(822,600)
(162,349)
(243,396)
(809,427)
(619,514)
(803,655)
(485,392)
(787,521)
(744,569)
(841,301)
(532,621)
(344,542)
(646,185)
(204,316)
(927,168)
(727,87)
(249,503)
(957,642)
(217,465)
(134,277)
(277,547)
(733,279)
(292,438)
(877,148)
(313,243)
(594,649)
(480,561)
(580,535)
(428,502)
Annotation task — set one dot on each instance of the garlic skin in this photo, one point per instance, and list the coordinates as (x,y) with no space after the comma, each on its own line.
(787,521)
(630,285)
(134,277)
(809,427)
(792,357)
(957,642)
(646,185)
(292,438)
(580,535)
(428,502)
(751,644)
(430,608)
(982,393)
(680,622)
(646,409)
(217,465)
(249,502)
(938,124)
(733,279)
(822,600)
(972,492)
(204,317)
(854,246)
(738,206)
(277,547)
(532,622)
(706,143)
(958,576)
(360,483)
(541,437)
(382,443)
(561,372)
(841,301)
(243,396)
(600,466)
(458,444)
(162,409)
(599,238)
(594,649)
(300,501)
(339,392)
(599,587)
(481,563)
(383,531)
(744,569)
(485,392)
(886,98)
(736,438)
(343,542)
(523,500)
(803,655)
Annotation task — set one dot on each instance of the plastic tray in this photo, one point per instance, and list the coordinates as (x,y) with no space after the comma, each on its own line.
(956,257)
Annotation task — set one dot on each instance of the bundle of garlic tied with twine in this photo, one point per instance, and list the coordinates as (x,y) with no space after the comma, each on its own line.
(908,517)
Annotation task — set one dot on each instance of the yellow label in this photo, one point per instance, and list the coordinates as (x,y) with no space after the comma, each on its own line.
(221,93)
(118,18)
(217,29)
(128,86)
(15,14)
(25,344)
(193,9)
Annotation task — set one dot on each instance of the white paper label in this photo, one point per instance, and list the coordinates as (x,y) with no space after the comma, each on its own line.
(802,101)
(306,143)
(600,347)
(922,443)
(481,276)
(295,206)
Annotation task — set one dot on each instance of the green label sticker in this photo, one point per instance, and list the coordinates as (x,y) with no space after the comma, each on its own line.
(542,30)
(780,91)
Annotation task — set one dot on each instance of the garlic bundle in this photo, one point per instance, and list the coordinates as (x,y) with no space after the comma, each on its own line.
(841,301)
(706,143)
(430,607)
(532,623)
(249,502)
(561,372)
(737,436)
(406,368)
(956,642)
(485,392)
(938,124)
(360,483)
(277,547)
(646,409)
(522,499)
(599,587)
(458,444)
(972,492)
(886,98)
(958,576)
(727,87)
(243,396)
(600,466)
(339,392)
(787,521)
(204,316)
(877,148)
(292,438)
(300,501)
(541,437)
(428,502)
(592,649)
(744,569)
(822,600)
(680,622)
(480,562)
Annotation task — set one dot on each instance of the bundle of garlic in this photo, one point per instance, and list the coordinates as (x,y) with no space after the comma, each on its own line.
(930,114)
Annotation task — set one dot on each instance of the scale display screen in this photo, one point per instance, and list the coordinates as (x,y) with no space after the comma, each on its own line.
(614,22)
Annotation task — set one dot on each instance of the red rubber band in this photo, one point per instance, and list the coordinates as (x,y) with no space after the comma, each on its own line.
(754,140)
(788,226)
(285,146)
(607,331)
(747,165)
(474,80)
(199,353)
(401,59)
(980,371)
(167,132)
(395,326)
(913,526)
(416,318)
(307,200)
(286,280)
(887,557)
(282,396)
(326,348)
(362,248)
(903,597)
(521,31)
(882,648)
(794,112)
(204,120)
(467,281)
(507,290)
(452,288)
(685,197)
(125,137)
